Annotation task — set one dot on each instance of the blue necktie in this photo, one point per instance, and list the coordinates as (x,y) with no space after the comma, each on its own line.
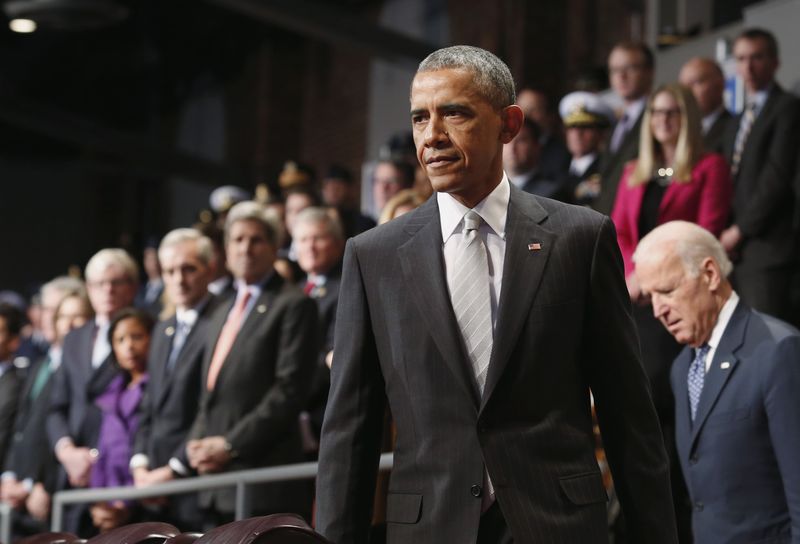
(696,377)
(182,330)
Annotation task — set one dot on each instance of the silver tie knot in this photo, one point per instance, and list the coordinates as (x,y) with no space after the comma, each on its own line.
(472,221)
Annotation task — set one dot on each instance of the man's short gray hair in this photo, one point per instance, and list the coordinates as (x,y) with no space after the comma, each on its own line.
(324,216)
(253,211)
(691,242)
(62,286)
(491,75)
(205,249)
(112,257)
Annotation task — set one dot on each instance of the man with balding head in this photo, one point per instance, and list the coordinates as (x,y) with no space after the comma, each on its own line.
(705,79)
(737,408)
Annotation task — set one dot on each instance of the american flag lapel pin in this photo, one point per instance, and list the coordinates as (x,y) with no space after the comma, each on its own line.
(535,246)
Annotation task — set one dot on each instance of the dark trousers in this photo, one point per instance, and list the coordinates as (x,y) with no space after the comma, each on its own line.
(493,528)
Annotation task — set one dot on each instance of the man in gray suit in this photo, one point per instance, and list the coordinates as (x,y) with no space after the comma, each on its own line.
(736,383)
(483,318)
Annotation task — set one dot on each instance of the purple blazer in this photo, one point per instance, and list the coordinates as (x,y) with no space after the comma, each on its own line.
(119,406)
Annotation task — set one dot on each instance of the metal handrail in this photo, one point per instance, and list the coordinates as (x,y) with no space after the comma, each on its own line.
(240,479)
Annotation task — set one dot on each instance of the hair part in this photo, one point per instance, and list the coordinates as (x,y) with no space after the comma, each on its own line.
(321,216)
(690,242)
(253,211)
(112,257)
(491,76)
(689,147)
(203,245)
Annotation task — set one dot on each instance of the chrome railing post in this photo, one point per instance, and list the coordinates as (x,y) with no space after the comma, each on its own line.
(242,500)
(5,523)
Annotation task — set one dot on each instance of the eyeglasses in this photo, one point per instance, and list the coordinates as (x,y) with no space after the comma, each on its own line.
(115,283)
(655,112)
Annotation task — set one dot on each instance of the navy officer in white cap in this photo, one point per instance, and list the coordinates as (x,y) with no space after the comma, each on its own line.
(586,119)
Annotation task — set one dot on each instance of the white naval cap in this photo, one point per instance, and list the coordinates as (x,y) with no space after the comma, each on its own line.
(585,109)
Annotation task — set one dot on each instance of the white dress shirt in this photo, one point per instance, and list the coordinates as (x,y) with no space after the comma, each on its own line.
(719,328)
(493,210)
(579,166)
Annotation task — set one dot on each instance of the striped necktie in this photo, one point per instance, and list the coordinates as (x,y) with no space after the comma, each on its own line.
(748,117)
(469,295)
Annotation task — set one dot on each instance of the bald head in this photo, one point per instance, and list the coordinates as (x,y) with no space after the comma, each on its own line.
(689,241)
(705,79)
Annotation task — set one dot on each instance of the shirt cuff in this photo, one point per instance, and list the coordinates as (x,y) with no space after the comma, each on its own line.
(63,441)
(177,467)
(27,484)
(8,475)
(139,460)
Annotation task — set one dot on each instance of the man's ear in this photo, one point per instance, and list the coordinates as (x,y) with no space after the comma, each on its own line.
(711,273)
(512,118)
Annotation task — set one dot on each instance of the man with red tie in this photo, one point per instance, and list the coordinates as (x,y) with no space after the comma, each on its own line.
(260,355)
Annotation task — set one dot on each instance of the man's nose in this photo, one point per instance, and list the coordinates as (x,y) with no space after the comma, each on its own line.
(435,132)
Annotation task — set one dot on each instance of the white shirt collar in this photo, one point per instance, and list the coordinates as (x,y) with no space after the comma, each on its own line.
(54,353)
(634,110)
(520,180)
(723,319)
(493,209)
(759,98)
(709,120)
(189,315)
(580,165)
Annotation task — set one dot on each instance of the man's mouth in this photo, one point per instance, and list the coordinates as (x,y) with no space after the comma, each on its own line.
(437,161)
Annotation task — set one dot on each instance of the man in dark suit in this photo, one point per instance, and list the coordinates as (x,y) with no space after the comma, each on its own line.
(87,367)
(553,156)
(762,147)
(11,320)
(736,386)
(630,70)
(174,366)
(259,358)
(705,79)
(31,468)
(470,336)
(320,246)
(521,160)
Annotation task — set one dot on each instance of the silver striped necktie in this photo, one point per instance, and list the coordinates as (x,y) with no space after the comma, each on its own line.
(469,295)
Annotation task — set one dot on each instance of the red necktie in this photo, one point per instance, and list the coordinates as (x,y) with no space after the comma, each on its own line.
(226,338)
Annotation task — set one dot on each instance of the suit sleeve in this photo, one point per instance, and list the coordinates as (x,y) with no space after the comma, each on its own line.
(351,432)
(628,422)
(716,194)
(774,186)
(297,353)
(780,386)
(142,437)
(57,422)
(8,410)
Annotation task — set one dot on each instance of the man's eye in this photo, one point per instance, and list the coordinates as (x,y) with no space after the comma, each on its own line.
(418,119)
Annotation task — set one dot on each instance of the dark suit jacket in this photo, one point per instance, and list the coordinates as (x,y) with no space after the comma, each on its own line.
(740,457)
(570,183)
(9,393)
(714,139)
(563,326)
(260,391)
(764,199)
(170,404)
(75,386)
(613,165)
(320,383)
(30,455)
(554,158)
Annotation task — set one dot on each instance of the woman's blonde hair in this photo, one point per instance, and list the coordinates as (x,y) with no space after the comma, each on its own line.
(690,139)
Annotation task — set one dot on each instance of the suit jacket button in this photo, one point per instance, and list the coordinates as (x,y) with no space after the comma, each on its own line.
(476,490)
(698,506)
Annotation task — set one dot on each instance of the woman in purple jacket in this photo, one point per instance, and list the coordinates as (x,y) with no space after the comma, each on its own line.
(129,335)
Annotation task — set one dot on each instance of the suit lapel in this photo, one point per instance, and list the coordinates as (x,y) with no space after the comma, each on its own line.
(681,391)
(102,376)
(760,123)
(422,262)
(523,269)
(718,373)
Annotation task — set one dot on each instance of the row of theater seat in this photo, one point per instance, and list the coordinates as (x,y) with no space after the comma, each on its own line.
(273,529)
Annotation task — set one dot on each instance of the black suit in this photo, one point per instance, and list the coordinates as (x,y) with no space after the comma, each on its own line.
(714,139)
(30,455)
(554,158)
(9,393)
(563,326)
(171,402)
(614,163)
(764,204)
(571,181)
(259,393)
